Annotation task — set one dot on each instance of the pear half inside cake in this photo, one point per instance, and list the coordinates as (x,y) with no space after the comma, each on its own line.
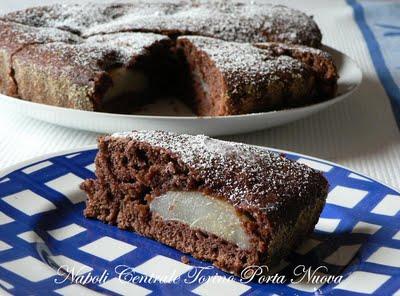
(200,211)
(125,81)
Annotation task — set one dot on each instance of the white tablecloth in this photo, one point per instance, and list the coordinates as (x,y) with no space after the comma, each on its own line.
(360,132)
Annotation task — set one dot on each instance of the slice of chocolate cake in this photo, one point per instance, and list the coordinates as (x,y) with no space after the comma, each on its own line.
(236,78)
(115,73)
(232,204)
(321,63)
(15,37)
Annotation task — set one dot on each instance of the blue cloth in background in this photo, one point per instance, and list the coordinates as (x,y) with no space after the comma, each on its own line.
(379,22)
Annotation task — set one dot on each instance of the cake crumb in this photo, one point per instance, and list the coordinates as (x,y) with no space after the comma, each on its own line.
(185,259)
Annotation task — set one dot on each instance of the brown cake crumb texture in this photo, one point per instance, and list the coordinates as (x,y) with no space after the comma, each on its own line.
(282,199)
(185,259)
(215,55)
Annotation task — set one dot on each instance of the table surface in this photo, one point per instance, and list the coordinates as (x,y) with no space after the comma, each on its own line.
(360,132)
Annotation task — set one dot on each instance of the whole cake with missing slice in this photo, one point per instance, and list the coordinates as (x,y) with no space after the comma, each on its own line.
(232,204)
(219,57)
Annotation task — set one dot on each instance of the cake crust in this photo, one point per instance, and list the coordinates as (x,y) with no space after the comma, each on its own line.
(242,22)
(280,199)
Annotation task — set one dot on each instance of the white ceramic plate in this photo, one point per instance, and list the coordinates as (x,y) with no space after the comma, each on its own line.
(176,118)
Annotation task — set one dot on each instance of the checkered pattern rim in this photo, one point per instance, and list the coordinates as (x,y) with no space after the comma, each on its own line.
(41,220)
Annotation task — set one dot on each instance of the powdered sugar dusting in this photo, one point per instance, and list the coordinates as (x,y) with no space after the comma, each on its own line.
(280,47)
(247,174)
(22,35)
(119,48)
(127,45)
(243,22)
(251,62)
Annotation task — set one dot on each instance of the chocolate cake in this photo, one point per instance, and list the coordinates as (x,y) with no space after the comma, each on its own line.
(243,22)
(236,78)
(117,57)
(106,72)
(232,204)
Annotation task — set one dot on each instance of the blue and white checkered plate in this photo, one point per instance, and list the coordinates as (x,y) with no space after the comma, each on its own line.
(47,246)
